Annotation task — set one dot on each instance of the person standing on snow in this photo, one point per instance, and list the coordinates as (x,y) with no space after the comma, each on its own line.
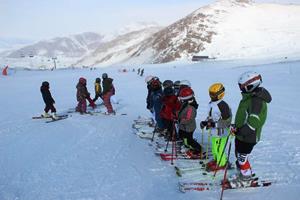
(154,102)
(82,94)
(108,92)
(170,106)
(148,80)
(249,120)
(218,121)
(49,101)
(187,121)
(98,89)
(142,72)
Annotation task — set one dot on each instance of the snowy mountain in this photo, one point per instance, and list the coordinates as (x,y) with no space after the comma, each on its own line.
(227,29)
(72,46)
(119,49)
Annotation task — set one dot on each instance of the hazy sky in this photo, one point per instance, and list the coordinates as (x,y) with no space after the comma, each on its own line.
(43,19)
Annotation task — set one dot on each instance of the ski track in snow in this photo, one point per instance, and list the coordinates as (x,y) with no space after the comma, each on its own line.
(98,157)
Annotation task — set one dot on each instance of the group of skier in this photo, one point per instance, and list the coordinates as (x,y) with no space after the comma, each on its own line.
(105,92)
(174,103)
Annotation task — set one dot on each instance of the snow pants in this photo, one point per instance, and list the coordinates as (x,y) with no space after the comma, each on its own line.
(189,141)
(242,151)
(81,106)
(107,103)
(50,107)
(218,150)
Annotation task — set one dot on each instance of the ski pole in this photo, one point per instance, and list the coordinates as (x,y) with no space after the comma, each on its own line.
(208,141)
(173,143)
(226,169)
(202,133)
(154,132)
(167,145)
(202,138)
(223,150)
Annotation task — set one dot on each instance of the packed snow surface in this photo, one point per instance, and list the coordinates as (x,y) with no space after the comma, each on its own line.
(100,158)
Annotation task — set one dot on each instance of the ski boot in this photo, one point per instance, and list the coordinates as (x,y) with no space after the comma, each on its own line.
(241,181)
(45,115)
(54,116)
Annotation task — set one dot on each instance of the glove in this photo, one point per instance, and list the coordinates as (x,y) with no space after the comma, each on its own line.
(203,124)
(210,124)
(233,129)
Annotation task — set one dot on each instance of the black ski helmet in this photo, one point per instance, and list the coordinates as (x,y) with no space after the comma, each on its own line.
(98,80)
(176,84)
(104,75)
(168,84)
(45,84)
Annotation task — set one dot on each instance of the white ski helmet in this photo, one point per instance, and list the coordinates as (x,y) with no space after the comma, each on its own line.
(185,83)
(248,81)
(148,79)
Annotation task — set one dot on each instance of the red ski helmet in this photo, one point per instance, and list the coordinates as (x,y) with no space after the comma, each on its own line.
(155,84)
(186,94)
(82,80)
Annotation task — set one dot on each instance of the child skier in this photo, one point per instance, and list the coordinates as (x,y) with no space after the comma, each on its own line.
(218,120)
(249,120)
(49,101)
(98,89)
(187,120)
(108,91)
(82,95)
(154,102)
(148,81)
(170,106)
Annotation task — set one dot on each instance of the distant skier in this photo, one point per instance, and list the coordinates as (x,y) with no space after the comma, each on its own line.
(49,101)
(108,92)
(187,121)
(142,72)
(249,120)
(82,95)
(219,121)
(98,89)
(138,71)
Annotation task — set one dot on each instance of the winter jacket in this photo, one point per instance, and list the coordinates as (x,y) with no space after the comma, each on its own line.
(82,92)
(47,97)
(220,113)
(98,88)
(170,105)
(108,86)
(156,105)
(251,115)
(187,116)
(148,99)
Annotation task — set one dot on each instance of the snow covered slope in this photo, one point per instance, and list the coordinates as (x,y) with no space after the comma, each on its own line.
(99,157)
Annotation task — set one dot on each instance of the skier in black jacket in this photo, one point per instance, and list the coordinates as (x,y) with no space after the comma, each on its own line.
(49,101)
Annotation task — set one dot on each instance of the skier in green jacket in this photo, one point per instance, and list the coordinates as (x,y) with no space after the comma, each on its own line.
(249,120)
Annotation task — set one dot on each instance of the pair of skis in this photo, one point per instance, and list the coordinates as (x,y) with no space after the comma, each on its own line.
(207,185)
(51,118)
